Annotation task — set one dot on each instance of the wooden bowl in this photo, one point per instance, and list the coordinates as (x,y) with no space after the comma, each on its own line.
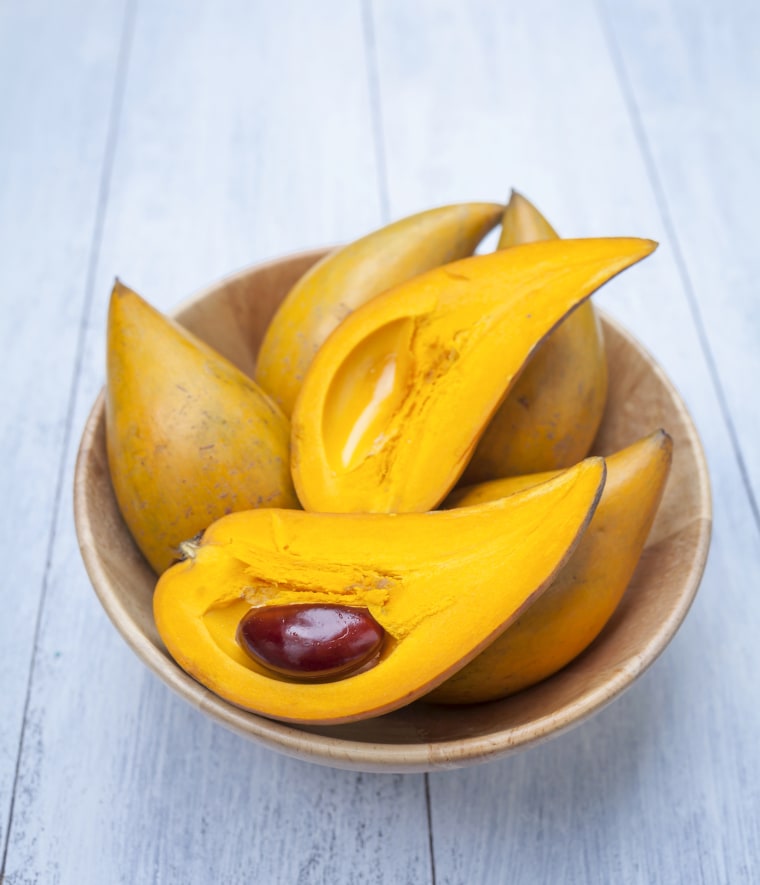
(231,317)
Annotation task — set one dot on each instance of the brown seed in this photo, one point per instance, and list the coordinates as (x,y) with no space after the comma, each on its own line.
(310,641)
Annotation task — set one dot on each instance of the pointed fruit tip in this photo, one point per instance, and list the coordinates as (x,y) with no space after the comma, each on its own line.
(651,245)
(638,247)
(662,439)
(518,199)
(121,290)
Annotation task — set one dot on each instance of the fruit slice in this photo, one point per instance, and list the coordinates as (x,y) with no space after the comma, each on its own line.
(398,395)
(585,593)
(352,275)
(442,585)
(552,414)
(189,436)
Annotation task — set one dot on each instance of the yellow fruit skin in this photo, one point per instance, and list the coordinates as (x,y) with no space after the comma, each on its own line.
(442,585)
(352,275)
(189,436)
(397,397)
(523,223)
(572,612)
(551,416)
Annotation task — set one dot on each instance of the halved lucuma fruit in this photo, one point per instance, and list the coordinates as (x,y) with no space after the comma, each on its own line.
(350,276)
(189,436)
(397,397)
(586,591)
(442,585)
(551,415)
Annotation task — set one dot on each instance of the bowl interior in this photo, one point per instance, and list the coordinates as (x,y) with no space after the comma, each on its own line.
(232,316)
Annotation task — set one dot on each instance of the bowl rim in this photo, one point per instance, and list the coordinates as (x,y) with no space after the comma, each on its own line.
(342,752)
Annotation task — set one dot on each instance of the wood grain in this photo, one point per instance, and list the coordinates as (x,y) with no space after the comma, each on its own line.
(48,211)
(245,132)
(528,96)
(701,138)
(253,130)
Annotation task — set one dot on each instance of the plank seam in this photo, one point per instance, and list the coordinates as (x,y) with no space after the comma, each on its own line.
(429,807)
(378,129)
(109,150)
(664,209)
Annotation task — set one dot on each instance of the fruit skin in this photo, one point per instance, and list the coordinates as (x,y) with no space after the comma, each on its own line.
(442,585)
(552,414)
(189,437)
(353,274)
(397,397)
(587,590)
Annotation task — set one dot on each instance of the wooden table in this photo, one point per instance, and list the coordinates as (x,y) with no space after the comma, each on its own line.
(173,142)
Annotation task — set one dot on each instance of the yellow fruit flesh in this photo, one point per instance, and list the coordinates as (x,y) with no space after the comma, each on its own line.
(441,584)
(397,397)
(350,276)
(581,599)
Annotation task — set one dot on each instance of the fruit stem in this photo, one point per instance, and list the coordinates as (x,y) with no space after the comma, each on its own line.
(188,549)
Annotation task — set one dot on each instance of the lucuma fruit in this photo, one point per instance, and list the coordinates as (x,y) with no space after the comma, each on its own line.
(189,437)
(397,397)
(551,415)
(442,586)
(587,589)
(351,275)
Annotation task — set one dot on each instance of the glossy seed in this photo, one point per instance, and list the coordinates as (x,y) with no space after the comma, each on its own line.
(310,641)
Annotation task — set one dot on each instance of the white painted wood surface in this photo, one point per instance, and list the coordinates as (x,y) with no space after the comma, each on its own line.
(54,121)
(173,142)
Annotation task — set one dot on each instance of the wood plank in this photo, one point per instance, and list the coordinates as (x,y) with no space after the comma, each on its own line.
(57,67)
(477,98)
(245,133)
(691,78)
